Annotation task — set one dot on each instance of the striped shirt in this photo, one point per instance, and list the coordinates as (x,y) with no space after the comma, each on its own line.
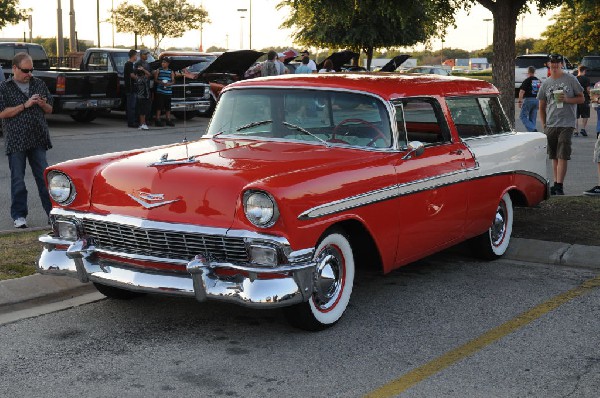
(164,74)
(28,129)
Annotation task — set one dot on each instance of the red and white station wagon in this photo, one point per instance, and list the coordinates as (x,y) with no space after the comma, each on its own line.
(298,181)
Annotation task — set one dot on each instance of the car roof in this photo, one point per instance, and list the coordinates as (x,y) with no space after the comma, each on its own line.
(387,85)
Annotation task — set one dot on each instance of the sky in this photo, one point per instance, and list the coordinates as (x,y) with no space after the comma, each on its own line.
(229,30)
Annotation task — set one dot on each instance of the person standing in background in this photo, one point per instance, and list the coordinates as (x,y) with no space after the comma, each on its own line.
(559,95)
(164,78)
(130,92)
(528,101)
(24,102)
(143,93)
(583,110)
(311,64)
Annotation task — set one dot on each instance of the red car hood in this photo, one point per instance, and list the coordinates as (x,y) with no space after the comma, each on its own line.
(208,190)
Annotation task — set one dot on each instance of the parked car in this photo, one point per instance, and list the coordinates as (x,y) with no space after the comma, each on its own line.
(217,71)
(540,63)
(429,69)
(81,94)
(299,180)
(592,62)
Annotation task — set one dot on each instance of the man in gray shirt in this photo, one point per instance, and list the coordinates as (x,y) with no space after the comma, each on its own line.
(558,114)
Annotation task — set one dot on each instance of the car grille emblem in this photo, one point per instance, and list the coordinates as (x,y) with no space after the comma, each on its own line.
(151,200)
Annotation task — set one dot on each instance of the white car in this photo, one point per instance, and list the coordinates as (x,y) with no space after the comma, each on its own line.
(540,63)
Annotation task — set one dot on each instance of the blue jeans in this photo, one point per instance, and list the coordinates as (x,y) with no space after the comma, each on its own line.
(598,121)
(132,118)
(18,191)
(529,112)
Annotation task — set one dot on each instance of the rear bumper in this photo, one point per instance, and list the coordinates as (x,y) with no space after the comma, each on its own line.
(190,105)
(89,104)
(248,286)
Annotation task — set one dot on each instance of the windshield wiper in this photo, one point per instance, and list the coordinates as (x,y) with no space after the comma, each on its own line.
(253,124)
(302,130)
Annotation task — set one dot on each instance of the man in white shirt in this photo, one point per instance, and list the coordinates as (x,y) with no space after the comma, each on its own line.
(311,64)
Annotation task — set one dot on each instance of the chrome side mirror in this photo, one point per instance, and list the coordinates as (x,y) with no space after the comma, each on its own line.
(415,148)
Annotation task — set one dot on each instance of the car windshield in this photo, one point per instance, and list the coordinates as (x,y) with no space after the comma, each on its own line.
(319,116)
(591,63)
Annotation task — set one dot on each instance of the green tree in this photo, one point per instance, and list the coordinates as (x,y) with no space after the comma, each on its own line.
(159,19)
(10,14)
(575,31)
(506,14)
(366,25)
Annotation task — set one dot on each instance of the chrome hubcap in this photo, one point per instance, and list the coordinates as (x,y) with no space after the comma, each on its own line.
(498,228)
(328,279)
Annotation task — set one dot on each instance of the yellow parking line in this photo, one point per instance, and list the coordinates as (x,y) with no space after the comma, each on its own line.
(419,374)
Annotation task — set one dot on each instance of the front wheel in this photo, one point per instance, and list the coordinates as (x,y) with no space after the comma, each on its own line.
(116,293)
(332,285)
(493,243)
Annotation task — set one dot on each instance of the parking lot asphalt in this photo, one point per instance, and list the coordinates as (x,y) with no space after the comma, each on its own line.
(45,288)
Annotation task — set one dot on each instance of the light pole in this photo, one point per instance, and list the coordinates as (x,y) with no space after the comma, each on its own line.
(242,31)
(60,47)
(487,25)
(242,16)
(250,30)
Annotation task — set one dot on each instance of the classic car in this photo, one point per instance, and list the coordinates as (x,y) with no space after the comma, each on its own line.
(298,180)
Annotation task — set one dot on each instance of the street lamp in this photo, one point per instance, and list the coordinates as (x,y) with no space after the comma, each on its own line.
(242,26)
(487,25)
(242,31)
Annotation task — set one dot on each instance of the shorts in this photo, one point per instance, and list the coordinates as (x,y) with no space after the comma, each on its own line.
(583,110)
(559,142)
(163,102)
(142,106)
(597,151)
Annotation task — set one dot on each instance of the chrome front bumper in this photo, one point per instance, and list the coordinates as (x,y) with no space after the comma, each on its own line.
(283,285)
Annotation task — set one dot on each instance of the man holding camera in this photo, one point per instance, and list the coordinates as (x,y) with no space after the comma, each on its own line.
(24,102)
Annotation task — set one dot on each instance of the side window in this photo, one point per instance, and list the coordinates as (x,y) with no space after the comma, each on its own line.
(423,119)
(476,117)
(98,61)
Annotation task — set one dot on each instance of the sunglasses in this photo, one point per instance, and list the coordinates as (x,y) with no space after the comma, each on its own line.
(24,70)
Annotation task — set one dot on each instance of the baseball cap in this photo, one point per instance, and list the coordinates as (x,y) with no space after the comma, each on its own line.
(304,52)
(555,58)
(280,54)
(144,52)
(166,59)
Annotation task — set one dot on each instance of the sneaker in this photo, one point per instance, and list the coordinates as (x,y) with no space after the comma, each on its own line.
(575,133)
(553,190)
(143,127)
(583,132)
(558,190)
(170,123)
(158,123)
(593,192)
(20,222)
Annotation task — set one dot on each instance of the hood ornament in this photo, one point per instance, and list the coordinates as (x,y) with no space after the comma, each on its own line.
(165,161)
(151,200)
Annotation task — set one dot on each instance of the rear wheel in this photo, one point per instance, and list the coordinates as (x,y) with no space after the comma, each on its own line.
(84,116)
(494,242)
(116,293)
(184,115)
(332,285)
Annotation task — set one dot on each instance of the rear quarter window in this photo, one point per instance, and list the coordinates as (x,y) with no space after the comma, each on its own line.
(477,117)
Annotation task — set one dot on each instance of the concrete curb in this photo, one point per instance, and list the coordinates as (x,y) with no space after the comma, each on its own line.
(53,288)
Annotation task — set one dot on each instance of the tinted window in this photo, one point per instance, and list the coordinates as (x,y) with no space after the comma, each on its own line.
(591,63)
(475,117)
(536,62)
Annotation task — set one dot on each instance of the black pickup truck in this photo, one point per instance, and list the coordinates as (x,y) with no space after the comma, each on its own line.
(188,97)
(81,94)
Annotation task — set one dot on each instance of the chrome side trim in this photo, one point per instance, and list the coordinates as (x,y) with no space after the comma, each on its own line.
(404,189)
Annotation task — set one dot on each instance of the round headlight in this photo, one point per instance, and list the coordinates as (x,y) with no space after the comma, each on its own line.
(260,209)
(60,188)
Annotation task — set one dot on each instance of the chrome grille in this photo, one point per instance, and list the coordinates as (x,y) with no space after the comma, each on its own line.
(121,238)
